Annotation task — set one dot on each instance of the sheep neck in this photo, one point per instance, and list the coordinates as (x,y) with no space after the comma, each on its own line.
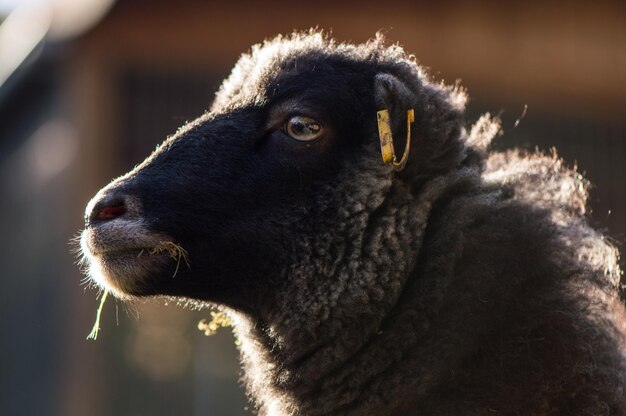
(332,342)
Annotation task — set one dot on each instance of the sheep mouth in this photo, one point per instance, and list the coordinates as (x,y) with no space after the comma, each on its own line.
(125,257)
(121,257)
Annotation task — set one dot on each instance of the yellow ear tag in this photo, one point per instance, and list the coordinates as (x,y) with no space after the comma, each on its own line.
(386,139)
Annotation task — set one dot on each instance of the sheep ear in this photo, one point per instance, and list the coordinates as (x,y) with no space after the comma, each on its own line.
(390,93)
(393,100)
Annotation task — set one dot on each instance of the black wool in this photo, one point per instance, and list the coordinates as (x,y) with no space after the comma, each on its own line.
(469,283)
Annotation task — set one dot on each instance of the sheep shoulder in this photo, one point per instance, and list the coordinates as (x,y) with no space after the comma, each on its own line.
(523,296)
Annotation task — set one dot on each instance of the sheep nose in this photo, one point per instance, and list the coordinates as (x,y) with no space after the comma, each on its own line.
(107,208)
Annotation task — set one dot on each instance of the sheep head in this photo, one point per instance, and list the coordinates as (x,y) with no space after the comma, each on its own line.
(286,163)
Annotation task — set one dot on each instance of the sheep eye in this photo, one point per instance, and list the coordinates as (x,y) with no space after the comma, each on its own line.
(304,129)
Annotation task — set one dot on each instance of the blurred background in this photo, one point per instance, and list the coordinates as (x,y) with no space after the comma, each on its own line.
(89,87)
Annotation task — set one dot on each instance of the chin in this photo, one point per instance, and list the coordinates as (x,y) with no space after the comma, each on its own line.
(127,259)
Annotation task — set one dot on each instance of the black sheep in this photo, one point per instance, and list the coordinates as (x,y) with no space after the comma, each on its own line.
(468,283)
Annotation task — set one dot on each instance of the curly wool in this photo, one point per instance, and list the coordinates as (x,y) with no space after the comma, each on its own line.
(469,284)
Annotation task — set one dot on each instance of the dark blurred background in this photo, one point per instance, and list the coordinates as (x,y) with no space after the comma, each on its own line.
(89,87)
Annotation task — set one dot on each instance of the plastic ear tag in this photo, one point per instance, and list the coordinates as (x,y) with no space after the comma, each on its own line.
(386,139)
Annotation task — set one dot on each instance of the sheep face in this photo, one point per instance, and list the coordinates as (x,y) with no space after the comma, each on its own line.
(221,210)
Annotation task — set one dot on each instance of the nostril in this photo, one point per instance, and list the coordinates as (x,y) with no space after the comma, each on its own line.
(108,209)
(108,213)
